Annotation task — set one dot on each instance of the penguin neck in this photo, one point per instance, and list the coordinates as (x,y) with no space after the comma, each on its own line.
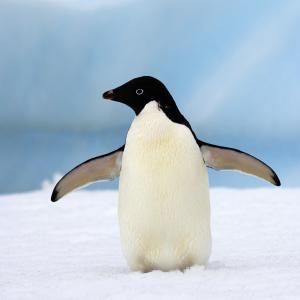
(149,126)
(153,114)
(172,112)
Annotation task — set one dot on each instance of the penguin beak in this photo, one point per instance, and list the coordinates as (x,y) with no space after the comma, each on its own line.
(109,95)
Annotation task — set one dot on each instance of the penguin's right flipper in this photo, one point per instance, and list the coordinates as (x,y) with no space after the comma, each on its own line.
(104,167)
(224,158)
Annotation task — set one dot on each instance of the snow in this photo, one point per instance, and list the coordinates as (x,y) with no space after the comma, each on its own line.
(71,249)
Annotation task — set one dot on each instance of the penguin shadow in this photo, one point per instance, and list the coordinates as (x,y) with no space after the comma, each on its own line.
(123,270)
(216,265)
(237,266)
(113,271)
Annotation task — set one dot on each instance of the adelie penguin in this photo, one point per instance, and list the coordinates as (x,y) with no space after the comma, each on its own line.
(164,208)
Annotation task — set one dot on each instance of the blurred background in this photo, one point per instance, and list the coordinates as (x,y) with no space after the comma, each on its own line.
(233,67)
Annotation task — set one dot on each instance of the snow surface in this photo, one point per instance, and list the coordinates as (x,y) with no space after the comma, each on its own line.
(71,249)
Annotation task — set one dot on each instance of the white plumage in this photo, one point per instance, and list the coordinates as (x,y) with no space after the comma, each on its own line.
(164,210)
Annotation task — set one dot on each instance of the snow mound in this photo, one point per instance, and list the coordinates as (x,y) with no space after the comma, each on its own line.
(71,249)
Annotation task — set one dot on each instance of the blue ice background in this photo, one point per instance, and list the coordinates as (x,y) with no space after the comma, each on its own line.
(232,66)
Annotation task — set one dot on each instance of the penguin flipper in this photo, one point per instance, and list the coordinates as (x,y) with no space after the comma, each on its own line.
(223,158)
(104,167)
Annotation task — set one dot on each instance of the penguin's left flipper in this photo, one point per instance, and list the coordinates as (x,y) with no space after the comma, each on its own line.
(223,158)
(104,167)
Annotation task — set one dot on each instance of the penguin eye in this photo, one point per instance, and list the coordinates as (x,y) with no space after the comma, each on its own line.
(139,92)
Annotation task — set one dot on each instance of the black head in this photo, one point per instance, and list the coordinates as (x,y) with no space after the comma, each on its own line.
(137,92)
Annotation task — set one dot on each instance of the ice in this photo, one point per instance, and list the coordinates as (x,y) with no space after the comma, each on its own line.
(71,249)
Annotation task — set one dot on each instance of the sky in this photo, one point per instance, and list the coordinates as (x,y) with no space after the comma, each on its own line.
(231,66)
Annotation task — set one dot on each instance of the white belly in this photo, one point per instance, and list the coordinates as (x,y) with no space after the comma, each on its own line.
(164,210)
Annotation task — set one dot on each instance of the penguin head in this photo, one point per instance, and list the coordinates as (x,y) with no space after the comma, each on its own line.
(137,92)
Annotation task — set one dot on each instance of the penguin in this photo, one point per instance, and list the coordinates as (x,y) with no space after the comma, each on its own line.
(164,206)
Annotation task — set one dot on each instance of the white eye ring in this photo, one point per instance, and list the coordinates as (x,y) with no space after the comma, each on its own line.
(139,92)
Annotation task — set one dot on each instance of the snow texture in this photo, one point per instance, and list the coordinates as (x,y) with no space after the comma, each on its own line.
(71,249)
